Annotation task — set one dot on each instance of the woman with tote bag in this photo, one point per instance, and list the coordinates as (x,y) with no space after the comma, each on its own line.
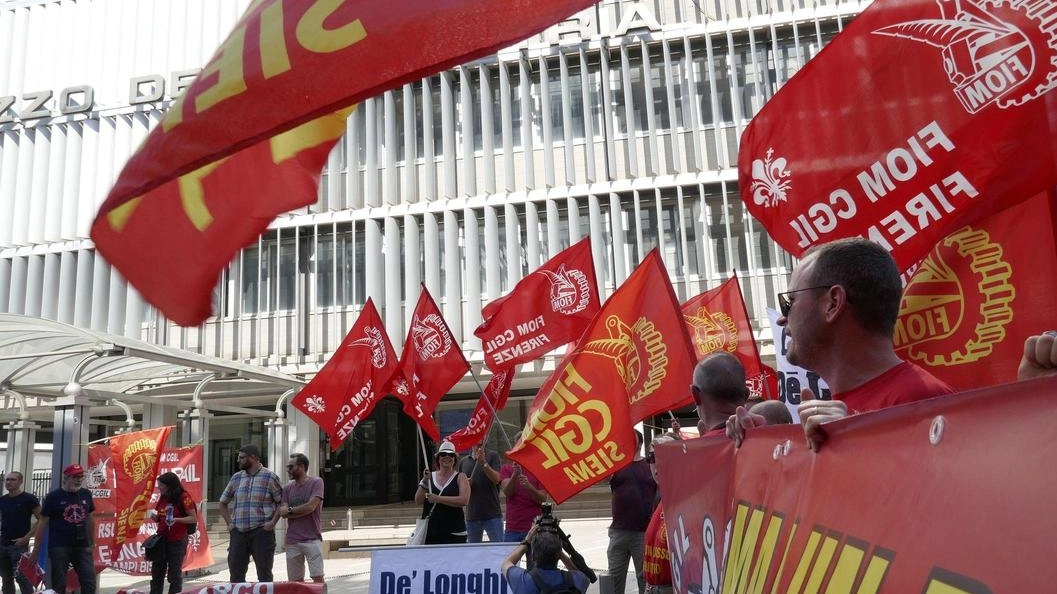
(443,493)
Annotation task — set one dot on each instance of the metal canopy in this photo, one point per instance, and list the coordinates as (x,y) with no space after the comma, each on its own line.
(39,357)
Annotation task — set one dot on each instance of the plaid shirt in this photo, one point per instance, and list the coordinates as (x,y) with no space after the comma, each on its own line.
(255,498)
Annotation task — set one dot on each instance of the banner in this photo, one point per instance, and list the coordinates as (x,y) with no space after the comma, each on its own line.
(184,205)
(436,569)
(717,320)
(906,499)
(520,326)
(431,362)
(792,378)
(135,457)
(985,288)
(346,389)
(953,123)
(696,511)
(634,361)
(489,404)
(248,588)
(188,464)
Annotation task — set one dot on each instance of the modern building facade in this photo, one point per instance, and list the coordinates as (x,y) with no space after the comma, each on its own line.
(620,123)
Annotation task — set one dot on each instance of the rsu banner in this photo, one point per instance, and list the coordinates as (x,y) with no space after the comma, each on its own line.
(952,122)
(186,463)
(924,497)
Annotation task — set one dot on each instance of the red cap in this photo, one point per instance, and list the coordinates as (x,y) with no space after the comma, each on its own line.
(73,470)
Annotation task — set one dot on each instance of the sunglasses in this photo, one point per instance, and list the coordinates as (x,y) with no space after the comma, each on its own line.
(785,303)
(446,455)
(651,457)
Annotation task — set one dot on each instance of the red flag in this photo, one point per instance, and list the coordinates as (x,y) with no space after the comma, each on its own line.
(985,288)
(951,110)
(491,402)
(635,360)
(179,211)
(517,329)
(432,362)
(765,384)
(135,457)
(718,321)
(346,390)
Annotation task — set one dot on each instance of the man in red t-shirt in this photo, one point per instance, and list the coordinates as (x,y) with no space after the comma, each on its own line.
(656,560)
(839,317)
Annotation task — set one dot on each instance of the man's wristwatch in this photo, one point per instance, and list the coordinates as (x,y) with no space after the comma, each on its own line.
(289,509)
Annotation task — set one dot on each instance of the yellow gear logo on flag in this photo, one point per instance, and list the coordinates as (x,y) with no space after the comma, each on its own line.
(139,459)
(639,353)
(712,332)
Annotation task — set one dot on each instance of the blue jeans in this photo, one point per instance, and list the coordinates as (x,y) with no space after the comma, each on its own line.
(61,558)
(10,555)
(476,528)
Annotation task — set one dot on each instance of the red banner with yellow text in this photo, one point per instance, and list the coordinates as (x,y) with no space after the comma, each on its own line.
(491,402)
(188,464)
(521,326)
(979,294)
(188,199)
(135,458)
(945,495)
(633,361)
(953,122)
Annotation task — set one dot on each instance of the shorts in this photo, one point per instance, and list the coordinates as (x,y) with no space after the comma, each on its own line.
(298,553)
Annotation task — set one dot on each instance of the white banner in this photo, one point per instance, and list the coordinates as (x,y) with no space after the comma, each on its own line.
(791,379)
(439,569)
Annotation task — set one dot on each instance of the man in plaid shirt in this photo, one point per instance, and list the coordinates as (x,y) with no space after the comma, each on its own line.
(250,507)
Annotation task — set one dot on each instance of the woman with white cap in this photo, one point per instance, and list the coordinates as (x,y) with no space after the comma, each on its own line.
(443,493)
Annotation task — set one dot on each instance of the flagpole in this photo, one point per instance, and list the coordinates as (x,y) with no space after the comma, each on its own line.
(495,414)
(425,457)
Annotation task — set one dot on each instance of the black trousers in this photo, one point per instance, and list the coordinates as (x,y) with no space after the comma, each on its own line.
(172,566)
(257,543)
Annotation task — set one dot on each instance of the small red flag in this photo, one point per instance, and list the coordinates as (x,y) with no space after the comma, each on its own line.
(346,390)
(432,362)
(635,360)
(718,321)
(952,106)
(523,325)
(491,402)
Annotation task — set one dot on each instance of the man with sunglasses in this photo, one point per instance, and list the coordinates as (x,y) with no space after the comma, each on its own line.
(839,317)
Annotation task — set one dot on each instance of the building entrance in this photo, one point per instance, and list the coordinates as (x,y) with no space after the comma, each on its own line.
(379,463)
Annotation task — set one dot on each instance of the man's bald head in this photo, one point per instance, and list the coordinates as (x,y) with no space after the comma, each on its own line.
(720,376)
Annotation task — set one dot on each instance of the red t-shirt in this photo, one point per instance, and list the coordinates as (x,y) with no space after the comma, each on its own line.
(656,567)
(521,507)
(901,384)
(178,530)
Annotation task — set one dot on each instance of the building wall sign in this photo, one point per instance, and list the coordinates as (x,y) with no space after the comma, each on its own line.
(34,105)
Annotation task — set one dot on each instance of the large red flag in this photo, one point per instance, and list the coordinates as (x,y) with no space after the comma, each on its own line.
(635,360)
(522,325)
(181,208)
(491,402)
(136,457)
(952,121)
(346,390)
(985,288)
(432,362)
(718,321)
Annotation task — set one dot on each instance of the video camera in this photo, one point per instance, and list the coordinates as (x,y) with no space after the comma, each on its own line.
(547,522)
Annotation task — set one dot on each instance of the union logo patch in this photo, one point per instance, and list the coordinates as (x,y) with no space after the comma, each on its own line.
(430,337)
(712,331)
(639,353)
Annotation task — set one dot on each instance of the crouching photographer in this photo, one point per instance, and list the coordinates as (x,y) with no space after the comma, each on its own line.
(544,544)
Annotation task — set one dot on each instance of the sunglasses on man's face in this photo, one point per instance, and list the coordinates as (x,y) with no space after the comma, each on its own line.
(651,457)
(785,303)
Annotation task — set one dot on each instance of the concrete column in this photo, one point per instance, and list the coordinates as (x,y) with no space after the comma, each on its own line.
(278,451)
(21,435)
(71,435)
(195,429)
(158,415)
(305,438)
